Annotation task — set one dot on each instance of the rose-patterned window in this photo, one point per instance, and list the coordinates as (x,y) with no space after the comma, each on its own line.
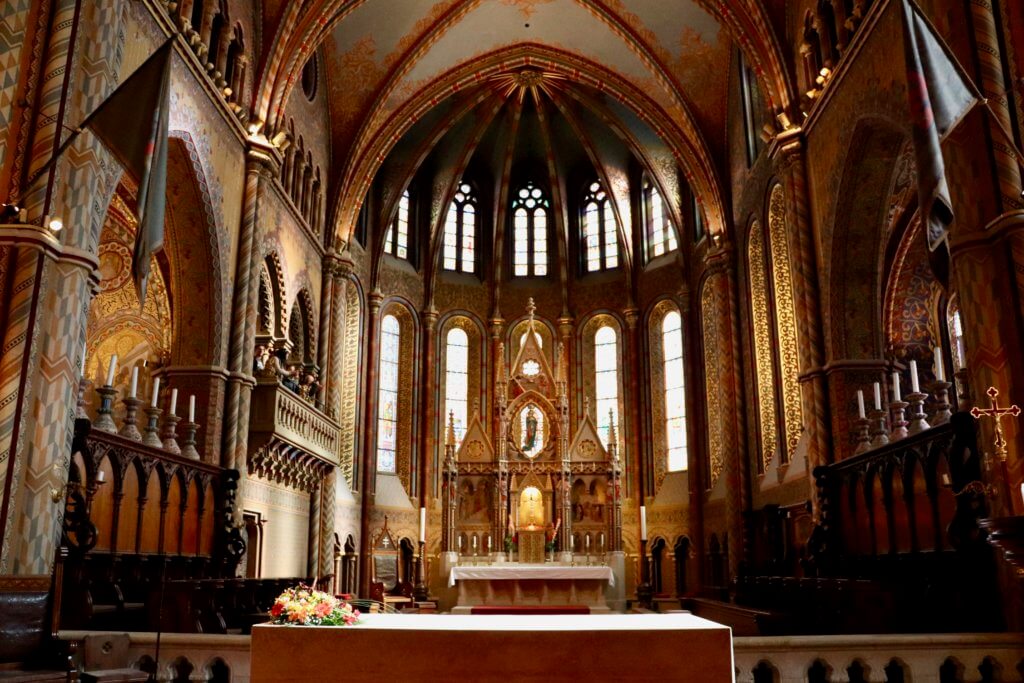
(600,241)
(387,395)
(530,231)
(460,231)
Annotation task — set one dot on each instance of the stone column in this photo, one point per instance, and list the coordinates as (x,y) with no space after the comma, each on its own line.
(314,541)
(334,327)
(369,471)
(428,409)
(323,358)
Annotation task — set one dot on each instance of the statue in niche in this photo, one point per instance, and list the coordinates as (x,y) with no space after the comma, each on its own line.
(530,433)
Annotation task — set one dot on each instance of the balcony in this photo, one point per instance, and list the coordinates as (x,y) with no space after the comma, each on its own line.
(290,438)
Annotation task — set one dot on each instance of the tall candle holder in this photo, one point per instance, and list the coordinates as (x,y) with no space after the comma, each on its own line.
(152,429)
(188,447)
(863,436)
(131,409)
(105,414)
(918,423)
(940,391)
(420,593)
(899,422)
(879,432)
(170,434)
(644,590)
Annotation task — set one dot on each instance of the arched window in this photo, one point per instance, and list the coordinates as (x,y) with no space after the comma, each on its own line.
(600,241)
(675,399)
(530,231)
(606,380)
(387,395)
(460,231)
(661,239)
(396,241)
(456,380)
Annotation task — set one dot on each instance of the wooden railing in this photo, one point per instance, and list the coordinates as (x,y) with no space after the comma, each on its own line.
(281,418)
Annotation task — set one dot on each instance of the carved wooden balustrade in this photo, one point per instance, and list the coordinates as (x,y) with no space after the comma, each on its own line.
(290,439)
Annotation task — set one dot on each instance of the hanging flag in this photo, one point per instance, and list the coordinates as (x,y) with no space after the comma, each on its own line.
(132,123)
(940,96)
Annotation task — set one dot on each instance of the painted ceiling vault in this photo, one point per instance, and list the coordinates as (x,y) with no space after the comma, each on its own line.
(654,73)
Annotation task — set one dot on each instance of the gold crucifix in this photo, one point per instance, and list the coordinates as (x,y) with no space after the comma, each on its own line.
(997,414)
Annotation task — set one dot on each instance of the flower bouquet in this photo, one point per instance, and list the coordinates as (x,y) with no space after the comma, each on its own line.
(304,606)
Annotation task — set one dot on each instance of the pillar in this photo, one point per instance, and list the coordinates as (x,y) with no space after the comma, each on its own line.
(369,471)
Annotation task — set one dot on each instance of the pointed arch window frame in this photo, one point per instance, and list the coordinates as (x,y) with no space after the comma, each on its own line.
(461,231)
(387,390)
(674,396)
(530,240)
(599,235)
(456,380)
(659,234)
(396,239)
(606,379)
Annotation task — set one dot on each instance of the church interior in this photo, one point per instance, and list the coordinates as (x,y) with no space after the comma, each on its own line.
(517,307)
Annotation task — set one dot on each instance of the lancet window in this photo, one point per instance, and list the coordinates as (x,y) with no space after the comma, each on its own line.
(661,239)
(456,381)
(387,395)
(600,241)
(460,229)
(396,241)
(606,380)
(530,208)
(675,399)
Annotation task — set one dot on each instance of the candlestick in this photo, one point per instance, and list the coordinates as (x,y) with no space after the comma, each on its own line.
(643,523)
(860,405)
(420,592)
(423,525)
(914,385)
(188,447)
(152,430)
(135,382)
(896,386)
(880,432)
(174,402)
(156,392)
(940,370)
(104,416)
(863,436)
(111,368)
(878,396)
(129,428)
(899,422)
(192,408)
(918,423)
(101,476)
(170,434)
(940,392)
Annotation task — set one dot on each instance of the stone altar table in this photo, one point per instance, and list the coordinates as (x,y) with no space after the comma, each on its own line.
(515,585)
(432,647)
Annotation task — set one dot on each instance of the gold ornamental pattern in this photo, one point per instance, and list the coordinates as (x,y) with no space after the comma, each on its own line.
(762,344)
(713,371)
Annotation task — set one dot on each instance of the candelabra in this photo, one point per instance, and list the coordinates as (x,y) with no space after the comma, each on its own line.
(899,422)
(152,429)
(918,423)
(940,390)
(129,428)
(420,593)
(863,436)
(188,448)
(170,434)
(880,432)
(104,416)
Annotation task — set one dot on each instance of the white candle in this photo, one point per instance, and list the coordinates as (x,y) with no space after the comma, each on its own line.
(101,477)
(423,525)
(174,402)
(961,354)
(940,371)
(1022,493)
(896,386)
(643,523)
(460,544)
(135,382)
(156,391)
(860,405)
(111,368)
(586,542)
(878,397)
(192,408)
(914,385)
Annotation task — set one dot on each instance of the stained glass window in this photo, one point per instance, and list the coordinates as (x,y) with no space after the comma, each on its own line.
(661,239)
(600,241)
(675,399)
(387,394)
(456,380)
(460,229)
(606,380)
(530,231)
(396,240)
(531,425)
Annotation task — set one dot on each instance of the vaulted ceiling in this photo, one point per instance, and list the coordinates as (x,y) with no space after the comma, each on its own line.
(655,72)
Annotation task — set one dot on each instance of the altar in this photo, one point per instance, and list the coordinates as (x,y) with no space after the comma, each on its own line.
(432,647)
(484,588)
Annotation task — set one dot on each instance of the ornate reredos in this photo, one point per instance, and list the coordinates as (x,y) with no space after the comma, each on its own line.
(587,446)
(476,446)
(530,371)
(547,426)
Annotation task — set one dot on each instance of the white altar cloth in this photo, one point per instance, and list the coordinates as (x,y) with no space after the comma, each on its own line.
(520,572)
